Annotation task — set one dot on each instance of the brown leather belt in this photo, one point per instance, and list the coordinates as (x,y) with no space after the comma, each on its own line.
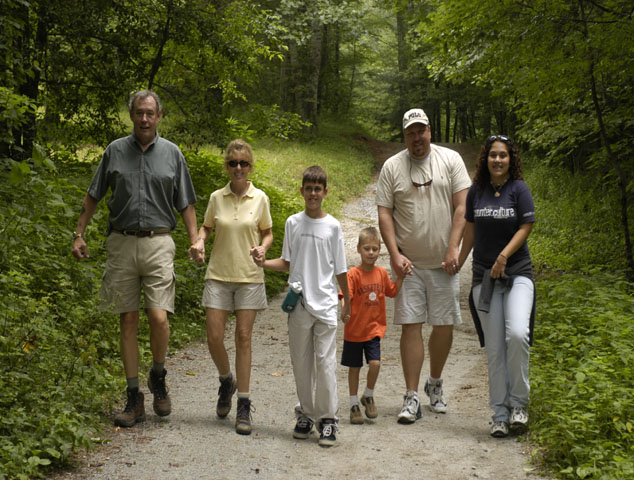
(143,233)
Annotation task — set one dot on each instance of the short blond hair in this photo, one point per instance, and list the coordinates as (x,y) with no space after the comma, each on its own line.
(369,234)
(238,146)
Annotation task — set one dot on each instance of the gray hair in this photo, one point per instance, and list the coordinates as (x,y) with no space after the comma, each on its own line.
(144,94)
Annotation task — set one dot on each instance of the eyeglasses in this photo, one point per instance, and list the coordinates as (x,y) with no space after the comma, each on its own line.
(503,138)
(235,163)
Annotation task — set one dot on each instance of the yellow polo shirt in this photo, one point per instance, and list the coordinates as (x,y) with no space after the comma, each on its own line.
(238,223)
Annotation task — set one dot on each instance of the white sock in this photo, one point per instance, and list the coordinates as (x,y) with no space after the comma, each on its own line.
(243,394)
(369,392)
(354,400)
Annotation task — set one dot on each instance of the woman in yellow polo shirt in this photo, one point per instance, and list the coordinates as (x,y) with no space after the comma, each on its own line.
(240,216)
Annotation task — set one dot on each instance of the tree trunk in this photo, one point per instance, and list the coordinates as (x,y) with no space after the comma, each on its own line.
(312,102)
(158,59)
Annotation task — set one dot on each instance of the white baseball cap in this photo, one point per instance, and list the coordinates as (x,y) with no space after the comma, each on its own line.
(414,115)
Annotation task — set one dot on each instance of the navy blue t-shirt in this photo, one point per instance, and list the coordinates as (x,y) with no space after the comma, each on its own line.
(497,219)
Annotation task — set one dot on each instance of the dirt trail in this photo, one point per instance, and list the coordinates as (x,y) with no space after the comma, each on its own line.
(193,443)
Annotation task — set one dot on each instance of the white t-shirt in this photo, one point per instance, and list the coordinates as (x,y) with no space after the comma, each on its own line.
(423,216)
(316,252)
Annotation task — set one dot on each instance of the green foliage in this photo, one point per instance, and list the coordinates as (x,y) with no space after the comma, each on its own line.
(576,228)
(582,376)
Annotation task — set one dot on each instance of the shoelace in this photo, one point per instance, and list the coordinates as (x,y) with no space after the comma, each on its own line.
(303,421)
(412,404)
(160,390)
(225,387)
(245,409)
(329,429)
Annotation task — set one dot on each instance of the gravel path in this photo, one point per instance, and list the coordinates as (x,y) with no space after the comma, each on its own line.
(193,443)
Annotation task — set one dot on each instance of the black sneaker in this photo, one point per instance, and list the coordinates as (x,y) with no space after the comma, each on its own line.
(156,383)
(243,416)
(134,410)
(225,392)
(303,425)
(327,432)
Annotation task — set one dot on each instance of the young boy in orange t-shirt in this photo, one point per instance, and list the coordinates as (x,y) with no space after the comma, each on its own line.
(368,285)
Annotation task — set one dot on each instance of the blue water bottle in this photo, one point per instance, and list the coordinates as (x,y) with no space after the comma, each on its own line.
(294,292)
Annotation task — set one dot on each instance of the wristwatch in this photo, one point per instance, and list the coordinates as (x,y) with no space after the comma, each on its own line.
(77,235)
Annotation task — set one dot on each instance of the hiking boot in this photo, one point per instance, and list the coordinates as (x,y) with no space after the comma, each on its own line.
(156,383)
(243,416)
(437,402)
(225,392)
(134,410)
(303,425)
(499,429)
(411,410)
(519,417)
(327,432)
(370,407)
(356,417)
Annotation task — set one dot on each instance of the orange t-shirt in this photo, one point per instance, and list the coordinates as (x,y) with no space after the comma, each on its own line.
(367,302)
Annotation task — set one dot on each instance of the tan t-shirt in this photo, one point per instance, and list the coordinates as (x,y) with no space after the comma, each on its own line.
(238,223)
(423,215)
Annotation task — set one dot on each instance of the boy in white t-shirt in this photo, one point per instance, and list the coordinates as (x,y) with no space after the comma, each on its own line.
(314,254)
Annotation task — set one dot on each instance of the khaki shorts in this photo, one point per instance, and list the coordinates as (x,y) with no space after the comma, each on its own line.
(136,263)
(231,296)
(430,296)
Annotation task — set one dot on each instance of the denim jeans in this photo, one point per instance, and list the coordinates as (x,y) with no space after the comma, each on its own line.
(506,334)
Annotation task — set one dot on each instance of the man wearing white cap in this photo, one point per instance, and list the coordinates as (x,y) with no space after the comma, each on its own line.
(421,196)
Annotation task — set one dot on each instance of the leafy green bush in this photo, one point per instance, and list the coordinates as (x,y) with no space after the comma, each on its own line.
(578,223)
(583,376)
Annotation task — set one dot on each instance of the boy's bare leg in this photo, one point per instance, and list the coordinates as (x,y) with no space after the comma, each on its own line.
(373,373)
(353,380)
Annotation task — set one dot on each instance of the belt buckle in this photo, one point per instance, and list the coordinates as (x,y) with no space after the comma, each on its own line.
(151,233)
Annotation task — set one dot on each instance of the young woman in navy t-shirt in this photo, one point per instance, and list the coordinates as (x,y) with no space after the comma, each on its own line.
(500,214)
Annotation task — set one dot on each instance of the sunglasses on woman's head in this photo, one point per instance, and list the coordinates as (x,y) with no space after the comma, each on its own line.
(235,163)
(503,138)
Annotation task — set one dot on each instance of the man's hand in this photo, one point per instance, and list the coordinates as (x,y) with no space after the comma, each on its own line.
(197,251)
(401,265)
(80,249)
(451,265)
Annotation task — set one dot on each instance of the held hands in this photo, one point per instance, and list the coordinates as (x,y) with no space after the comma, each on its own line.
(259,255)
(451,265)
(197,251)
(345,311)
(402,266)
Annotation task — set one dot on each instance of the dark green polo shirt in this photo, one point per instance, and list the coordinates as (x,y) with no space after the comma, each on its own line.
(147,187)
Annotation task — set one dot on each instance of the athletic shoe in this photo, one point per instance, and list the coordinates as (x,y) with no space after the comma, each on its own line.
(327,432)
(356,417)
(156,383)
(303,425)
(411,409)
(225,392)
(499,429)
(519,417)
(370,407)
(243,416)
(437,402)
(134,410)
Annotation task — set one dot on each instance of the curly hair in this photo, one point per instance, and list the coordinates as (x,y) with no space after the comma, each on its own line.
(482,176)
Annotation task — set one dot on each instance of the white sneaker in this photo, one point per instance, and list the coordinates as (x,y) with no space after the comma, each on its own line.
(499,429)
(437,402)
(519,417)
(411,409)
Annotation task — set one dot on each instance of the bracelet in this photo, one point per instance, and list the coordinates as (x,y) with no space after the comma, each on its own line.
(497,261)
(77,235)
(502,255)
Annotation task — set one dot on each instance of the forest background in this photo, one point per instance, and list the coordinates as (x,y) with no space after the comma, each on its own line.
(296,77)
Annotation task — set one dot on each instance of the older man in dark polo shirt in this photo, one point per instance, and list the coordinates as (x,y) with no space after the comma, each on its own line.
(149,179)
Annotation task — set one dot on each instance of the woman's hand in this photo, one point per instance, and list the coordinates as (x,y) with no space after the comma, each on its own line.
(497,270)
(258,254)
(197,251)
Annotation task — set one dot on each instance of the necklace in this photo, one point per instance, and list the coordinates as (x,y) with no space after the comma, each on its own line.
(498,188)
